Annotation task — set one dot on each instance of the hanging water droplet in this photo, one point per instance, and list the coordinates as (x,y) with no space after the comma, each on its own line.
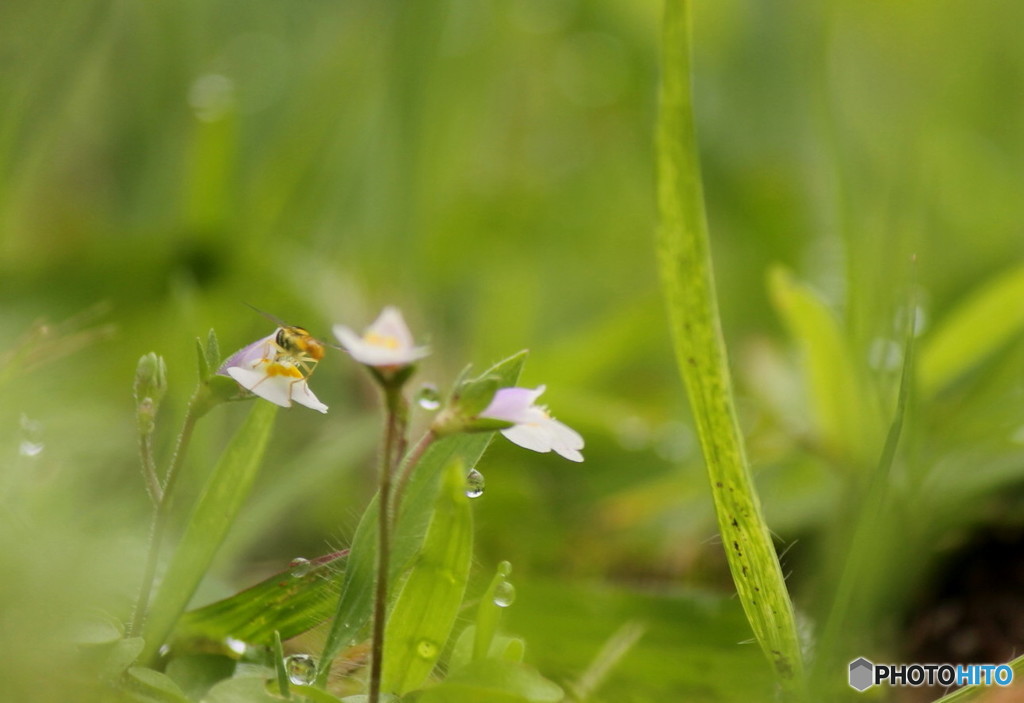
(299,567)
(301,669)
(504,594)
(474,484)
(428,397)
(426,649)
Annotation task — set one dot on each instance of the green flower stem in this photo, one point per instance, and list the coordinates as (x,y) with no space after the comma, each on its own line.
(409,465)
(153,487)
(394,442)
(197,407)
(687,278)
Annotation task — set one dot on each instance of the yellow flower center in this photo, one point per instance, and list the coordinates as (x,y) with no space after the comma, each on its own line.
(382,340)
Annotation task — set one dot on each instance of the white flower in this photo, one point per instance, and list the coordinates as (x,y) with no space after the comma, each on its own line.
(534,428)
(386,344)
(268,371)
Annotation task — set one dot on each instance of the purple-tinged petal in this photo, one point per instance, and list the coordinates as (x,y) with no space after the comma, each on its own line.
(251,355)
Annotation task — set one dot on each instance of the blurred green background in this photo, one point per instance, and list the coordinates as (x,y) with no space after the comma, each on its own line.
(487,166)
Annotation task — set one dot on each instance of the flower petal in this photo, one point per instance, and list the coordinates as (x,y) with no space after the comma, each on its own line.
(386,342)
(250,356)
(302,395)
(276,389)
(513,404)
(391,325)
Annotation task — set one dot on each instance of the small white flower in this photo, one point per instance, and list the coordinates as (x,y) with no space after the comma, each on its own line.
(386,344)
(533,427)
(268,371)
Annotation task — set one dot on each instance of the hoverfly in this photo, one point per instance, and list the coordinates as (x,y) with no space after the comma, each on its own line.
(277,366)
(295,344)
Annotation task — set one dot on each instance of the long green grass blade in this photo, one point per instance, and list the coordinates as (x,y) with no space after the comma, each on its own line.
(686,273)
(289,602)
(354,605)
(425,609)
(217,507)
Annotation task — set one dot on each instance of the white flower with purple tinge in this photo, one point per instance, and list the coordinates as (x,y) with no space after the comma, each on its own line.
(268,371)
(533,427)
(386,344)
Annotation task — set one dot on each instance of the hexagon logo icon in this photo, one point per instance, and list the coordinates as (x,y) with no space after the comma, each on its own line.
(861,674)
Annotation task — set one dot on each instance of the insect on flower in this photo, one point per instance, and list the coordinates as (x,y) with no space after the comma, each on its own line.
(277,367)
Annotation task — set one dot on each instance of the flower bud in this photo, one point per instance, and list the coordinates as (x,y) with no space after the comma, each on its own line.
(150,387)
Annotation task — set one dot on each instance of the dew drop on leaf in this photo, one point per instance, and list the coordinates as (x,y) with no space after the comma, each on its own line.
(504,594)
(474,484)
(426,649)
(301,669)
(299,567)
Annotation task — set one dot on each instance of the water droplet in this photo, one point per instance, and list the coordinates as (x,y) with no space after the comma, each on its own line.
(301,669)
(474,484)
(236,646)
(428,397)
(505,568)
(426,649)
(299,567)
(504,594)
(31,444)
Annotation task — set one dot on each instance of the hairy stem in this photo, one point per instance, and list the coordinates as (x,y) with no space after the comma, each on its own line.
(409,465)
(159,524)
(394,441)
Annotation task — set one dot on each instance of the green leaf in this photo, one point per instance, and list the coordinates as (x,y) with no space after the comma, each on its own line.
(215,510)
(424,611)
(212,351)
(493,681)
(197,673)
(283,683)
(841,409)
(290,602)
(355,603)
(686,273)
(149,686)
(488,613)
(502,647)
(976,329)
(247,688)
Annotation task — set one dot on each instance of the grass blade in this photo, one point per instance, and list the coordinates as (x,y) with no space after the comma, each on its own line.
(686,273)
(218,505)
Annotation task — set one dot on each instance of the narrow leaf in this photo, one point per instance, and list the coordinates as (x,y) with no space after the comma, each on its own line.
(686,274)
(840,407)
(424,611)
(289,602)
(981,325)
(215,510)
(494,681)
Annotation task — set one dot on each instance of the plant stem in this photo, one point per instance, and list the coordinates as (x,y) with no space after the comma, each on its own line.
(408,466)
(153,487)
(196,406)
(394,440)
